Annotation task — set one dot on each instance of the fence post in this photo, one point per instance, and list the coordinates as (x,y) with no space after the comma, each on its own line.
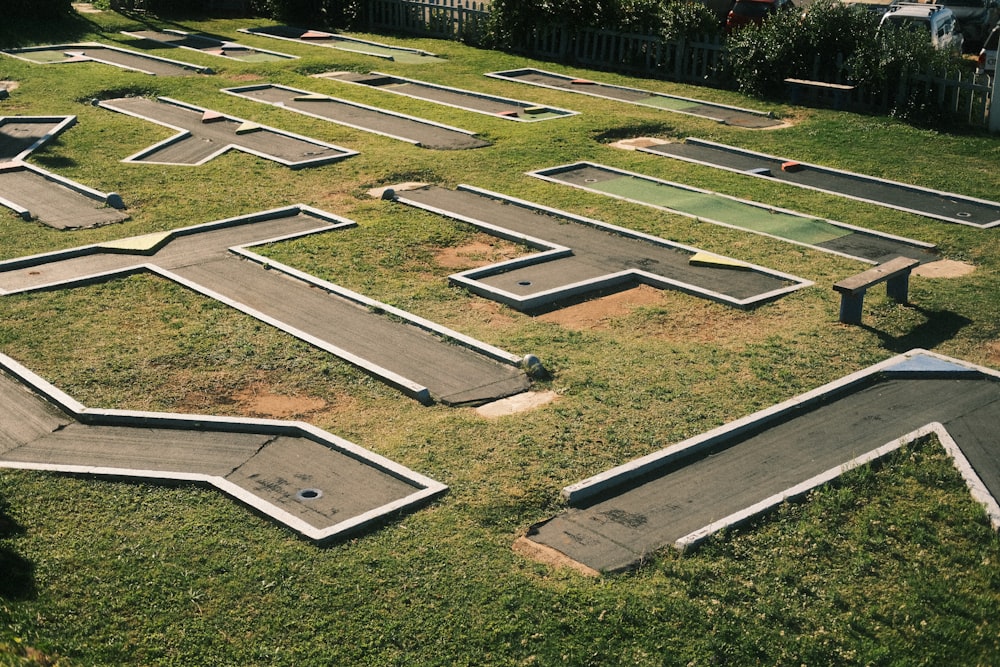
(994,107)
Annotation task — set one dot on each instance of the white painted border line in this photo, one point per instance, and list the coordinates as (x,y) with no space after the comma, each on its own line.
(543,175)
(501,76)
(519,104)
(183,133)
(862,177)
(237,92)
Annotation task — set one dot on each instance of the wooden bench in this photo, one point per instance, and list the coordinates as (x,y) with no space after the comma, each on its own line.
(838,91)
(895,274)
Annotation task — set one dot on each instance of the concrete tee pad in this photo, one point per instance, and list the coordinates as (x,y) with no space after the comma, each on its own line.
(345,43)
(313,482)
(423,133)
(579,256)
(829,236)
(34,193)
(203,134)
(683,494)
(210,45)
(423,360)
(106,55)
(468,100)
(722,113)
(945,206)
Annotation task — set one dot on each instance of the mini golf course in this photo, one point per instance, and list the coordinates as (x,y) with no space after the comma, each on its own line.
(203,134)
(946,206)
(207,44)
(683,494)
(93,52)
(579,257)
(344,43)
(467,100)
(829,236)
(37,194)
(317,484)
(424,361)
(423,133)
(722,113)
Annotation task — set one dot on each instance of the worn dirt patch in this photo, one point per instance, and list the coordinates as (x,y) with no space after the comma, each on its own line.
(522,402)
(993,353)
(482,250)
(9,85)
(257,401)
(944,268)
(638,142)
(598,313)
(549,556)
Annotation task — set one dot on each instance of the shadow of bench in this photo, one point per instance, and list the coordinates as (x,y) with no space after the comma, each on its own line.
(895,274)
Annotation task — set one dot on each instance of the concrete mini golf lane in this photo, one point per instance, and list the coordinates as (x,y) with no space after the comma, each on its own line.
(935,204)
(835,237)
(580,256)
(729,115)
(93,52)
(423,360)
(207,44)
(204,134)
(344,43)
(423,133)
(317,484)
(34,193)
(683,494)
(501,107)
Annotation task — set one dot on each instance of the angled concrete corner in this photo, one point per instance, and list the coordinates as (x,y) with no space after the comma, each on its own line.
(34,193)
(317,484)
(681,495)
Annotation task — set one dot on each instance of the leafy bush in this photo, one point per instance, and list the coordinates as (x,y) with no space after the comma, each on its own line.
(36,9)
(830,42)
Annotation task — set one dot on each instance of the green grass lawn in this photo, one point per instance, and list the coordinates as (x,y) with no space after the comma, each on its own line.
(893,566)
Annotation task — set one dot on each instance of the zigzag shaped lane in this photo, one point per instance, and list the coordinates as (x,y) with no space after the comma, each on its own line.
(204,134)
(423,360)
(317,484)
(95,52)
(34,193)
(681,495)
(579,256)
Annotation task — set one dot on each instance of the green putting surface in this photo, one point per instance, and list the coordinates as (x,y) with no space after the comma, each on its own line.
(670,103)
(721,209)
(44,57)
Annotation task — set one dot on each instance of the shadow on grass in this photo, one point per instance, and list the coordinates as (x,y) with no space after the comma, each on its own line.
(939,326)
(16,33)
(18,580)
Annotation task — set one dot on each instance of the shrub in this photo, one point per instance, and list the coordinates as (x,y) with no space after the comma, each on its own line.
(36,9)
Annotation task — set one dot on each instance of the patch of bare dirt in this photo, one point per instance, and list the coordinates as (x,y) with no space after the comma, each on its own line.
(993,353)
(482,250)
(9,85)
(944,268)
(598,313)
(254,399)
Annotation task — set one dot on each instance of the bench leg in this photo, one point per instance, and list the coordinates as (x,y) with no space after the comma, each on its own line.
(898,288)
(850,307)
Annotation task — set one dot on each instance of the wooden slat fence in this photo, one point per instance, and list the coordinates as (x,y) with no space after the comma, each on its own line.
(962,97)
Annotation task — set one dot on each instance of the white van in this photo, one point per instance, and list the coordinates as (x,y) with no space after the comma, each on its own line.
(935,20)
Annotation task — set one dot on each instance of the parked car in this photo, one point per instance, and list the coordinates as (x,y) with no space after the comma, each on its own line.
(975,18)
(747,12)
(937,21)
(988,54)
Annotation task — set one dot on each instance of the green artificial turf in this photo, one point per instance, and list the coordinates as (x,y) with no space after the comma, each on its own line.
(895,565)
